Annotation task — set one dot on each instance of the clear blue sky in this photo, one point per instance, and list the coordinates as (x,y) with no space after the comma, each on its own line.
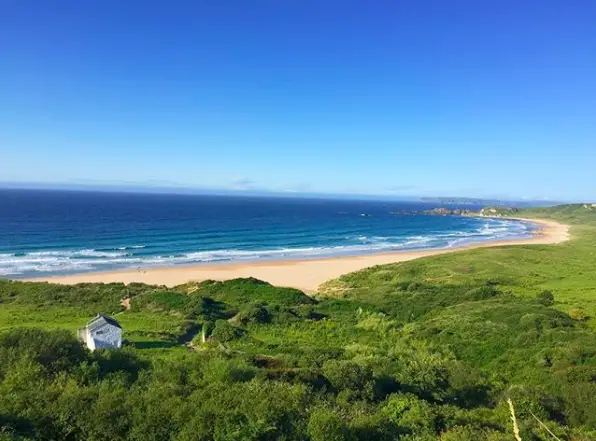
(465,98)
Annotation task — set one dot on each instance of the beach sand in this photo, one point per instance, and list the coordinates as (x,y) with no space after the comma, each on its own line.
(306,275)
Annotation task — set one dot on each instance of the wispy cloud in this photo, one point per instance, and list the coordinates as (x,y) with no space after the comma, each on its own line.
(297,188)
(401,188)
(241,184)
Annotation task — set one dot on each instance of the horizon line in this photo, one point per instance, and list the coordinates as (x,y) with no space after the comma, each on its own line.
(137,188)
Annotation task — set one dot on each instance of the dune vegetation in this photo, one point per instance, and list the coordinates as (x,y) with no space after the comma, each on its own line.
(431,349)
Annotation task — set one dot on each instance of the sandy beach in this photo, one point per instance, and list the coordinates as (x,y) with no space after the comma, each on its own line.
(306,275)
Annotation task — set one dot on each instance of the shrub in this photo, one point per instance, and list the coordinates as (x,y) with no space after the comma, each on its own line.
(255,314)
(55,350)
(225,332)
(325,425)
(483,293)
(410,414)
(225,371)
(546,297)
(205,308)
(531,321)
(578,314)
(343,374)
(161,301)
(423,372)
(467,433)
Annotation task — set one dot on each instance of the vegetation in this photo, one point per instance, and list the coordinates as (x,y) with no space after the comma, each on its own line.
(423,350)
(499,211)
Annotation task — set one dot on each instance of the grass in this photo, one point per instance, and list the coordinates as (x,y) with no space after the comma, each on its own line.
(567,269)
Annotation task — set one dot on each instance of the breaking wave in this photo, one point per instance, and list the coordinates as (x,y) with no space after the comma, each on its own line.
(37,263)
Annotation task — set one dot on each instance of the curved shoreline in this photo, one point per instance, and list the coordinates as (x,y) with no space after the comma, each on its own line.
(306,275)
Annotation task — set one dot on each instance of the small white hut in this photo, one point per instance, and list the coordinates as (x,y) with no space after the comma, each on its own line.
(103,332)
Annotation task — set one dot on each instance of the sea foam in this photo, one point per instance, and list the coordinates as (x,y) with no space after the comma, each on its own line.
(72,261)
(47,233)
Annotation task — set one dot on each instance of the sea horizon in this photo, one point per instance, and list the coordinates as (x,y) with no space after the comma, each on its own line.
(61,232)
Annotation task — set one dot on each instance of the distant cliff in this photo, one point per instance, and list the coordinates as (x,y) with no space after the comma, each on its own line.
(441,211)
(496,211)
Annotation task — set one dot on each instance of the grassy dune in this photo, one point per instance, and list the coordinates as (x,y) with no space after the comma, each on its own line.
(567,269)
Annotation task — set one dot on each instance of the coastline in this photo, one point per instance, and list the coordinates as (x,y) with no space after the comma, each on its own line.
(306,274)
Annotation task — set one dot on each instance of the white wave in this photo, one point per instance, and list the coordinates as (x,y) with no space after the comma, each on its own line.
(72,261)
(57,261)
(76,253)
(61,262)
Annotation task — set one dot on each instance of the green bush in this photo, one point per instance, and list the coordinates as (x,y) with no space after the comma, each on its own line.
(468,433)
(347,375)
(161,301)
(54,350)
(410,414)
(546,297)
(483,293)
(255,314)
(324,425)
(224,332)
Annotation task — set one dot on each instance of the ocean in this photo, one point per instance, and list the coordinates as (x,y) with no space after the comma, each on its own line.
(60,232)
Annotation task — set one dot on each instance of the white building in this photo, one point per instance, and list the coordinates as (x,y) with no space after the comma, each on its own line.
(103,332)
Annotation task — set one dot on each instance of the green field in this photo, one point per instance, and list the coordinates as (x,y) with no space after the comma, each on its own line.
(423,350)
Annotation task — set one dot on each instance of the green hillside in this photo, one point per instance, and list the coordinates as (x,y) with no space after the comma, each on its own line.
(423,350)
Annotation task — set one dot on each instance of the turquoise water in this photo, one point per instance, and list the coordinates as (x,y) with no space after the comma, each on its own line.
(58,232)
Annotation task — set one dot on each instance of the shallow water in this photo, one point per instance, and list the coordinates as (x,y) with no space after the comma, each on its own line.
(57,232)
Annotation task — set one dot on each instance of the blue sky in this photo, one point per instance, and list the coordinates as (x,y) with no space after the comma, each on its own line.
(447,98)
